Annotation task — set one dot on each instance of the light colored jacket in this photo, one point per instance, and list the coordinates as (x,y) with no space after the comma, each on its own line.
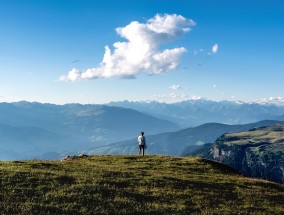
(141,140)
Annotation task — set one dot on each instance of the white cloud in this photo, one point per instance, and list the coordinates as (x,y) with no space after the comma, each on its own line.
(73,75)
(196,97)
(174,97)
(6,99)
(140,53)
(215,48)
(175,87)
(271,100)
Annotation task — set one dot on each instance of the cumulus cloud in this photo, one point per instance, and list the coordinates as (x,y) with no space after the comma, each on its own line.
(215,48)
(175,87)
(141,52)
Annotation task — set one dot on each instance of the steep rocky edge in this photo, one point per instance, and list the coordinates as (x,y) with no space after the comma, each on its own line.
(257,153)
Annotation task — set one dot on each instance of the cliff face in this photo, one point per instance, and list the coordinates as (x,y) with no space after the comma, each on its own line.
(257,153)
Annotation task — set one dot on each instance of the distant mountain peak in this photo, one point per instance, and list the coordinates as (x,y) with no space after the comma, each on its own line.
(264,101)
(271,100)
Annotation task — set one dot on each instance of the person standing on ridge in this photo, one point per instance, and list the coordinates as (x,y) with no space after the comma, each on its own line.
(142,143)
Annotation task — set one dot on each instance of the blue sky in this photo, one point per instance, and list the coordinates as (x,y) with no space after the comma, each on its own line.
(42,41)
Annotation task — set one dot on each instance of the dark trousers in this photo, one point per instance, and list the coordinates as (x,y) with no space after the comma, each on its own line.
(141,149)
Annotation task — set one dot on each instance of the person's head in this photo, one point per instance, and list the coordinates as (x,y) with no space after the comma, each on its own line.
(142,133)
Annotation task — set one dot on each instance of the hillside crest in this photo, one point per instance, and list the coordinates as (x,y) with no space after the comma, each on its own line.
(133,185)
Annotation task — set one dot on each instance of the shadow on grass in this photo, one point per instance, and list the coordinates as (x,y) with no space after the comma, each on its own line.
(65,179)
(223,168)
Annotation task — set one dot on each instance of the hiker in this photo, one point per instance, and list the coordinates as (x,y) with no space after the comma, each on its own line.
(142,143)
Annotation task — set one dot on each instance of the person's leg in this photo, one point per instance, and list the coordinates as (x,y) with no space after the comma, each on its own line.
(139,150)
(143,149)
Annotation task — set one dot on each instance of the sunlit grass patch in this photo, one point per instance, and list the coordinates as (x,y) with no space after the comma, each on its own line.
(133,185)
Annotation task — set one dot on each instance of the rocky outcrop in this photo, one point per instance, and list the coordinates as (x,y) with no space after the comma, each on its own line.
(257,153)
(74,157)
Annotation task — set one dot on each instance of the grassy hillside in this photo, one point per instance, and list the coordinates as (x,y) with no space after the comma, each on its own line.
(272,134)
(133,185)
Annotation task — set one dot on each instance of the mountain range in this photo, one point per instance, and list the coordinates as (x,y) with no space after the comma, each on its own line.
(192,113)
(29,130)
(180,142)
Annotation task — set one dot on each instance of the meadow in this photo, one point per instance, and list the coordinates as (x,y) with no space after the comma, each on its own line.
(133,185)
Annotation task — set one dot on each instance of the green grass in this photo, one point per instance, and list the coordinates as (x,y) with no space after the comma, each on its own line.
(133,185)
(271,134)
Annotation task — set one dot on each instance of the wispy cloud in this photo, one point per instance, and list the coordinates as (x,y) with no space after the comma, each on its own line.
(196,52)
(75,61)
(175,87)
(141,52)
(5,99)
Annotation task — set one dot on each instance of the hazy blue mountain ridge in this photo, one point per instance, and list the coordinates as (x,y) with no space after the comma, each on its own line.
(180,142)
(30,142)
(31,129)
(37,128)
(197,112)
